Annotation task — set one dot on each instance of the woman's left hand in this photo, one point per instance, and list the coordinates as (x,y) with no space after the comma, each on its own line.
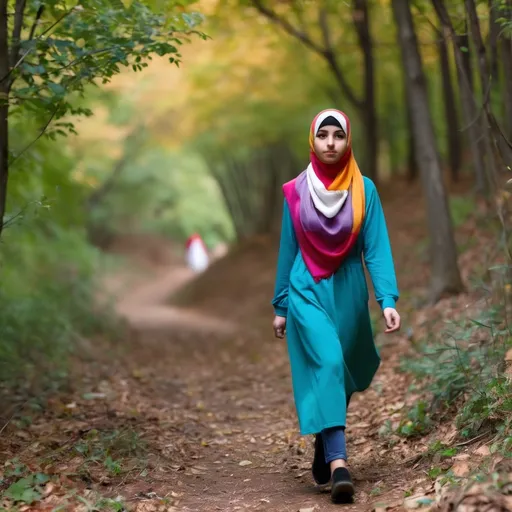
(392,320)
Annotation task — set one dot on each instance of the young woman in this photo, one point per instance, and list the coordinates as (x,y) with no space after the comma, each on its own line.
(332,220)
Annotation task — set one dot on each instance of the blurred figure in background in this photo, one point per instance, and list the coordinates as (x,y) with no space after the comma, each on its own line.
(196,253)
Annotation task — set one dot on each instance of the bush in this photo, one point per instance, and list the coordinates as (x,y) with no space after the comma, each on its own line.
(47,301)
(463,371)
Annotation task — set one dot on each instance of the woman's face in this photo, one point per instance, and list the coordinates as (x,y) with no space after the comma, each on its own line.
(330,143)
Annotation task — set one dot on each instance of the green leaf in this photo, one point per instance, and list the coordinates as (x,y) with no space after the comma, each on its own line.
(57,89)
(23,490)
(41,478)
(34,70)
(480,323)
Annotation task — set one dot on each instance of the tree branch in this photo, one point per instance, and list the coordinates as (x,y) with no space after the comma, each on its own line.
(43,131)
(56,22)
(299,14)
(330,57)
(88,54)
(11,220)
(36,21)
(327,52)
(287,27)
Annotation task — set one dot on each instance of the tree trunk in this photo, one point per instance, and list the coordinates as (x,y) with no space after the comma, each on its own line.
(506,56)
(360,16)
(486,83)
(468,104)
(452,125)
(462,42)
(483,64)
(445,276)
(412,167)
(4,109)
(494,30)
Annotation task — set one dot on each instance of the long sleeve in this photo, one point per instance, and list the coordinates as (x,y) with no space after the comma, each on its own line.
(288,249)
(377,251)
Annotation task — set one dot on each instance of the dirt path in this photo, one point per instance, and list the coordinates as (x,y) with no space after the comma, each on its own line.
(224,428)
(143,304)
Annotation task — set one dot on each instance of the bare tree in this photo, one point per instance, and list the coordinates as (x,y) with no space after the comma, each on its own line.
(450,109)
(445,276)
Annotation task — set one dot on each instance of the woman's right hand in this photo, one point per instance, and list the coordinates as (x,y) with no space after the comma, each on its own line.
(279,325)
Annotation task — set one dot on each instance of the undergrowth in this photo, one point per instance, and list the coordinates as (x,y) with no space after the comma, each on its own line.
(93,457)
(461,372)
(47,304)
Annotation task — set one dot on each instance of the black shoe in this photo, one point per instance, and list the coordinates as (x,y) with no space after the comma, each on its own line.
(342,489)
(321,470)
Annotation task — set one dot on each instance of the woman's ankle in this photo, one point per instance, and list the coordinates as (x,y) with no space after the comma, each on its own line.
(338,463)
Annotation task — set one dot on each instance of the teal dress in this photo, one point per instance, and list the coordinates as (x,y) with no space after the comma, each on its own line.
(329,335)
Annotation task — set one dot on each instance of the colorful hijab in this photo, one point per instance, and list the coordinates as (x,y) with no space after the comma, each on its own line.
(326,203)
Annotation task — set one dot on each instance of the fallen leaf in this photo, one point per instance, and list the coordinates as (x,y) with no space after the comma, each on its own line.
(245,463)
(450,436)
(309,509)
(460,468)
(49,489)
(483,451)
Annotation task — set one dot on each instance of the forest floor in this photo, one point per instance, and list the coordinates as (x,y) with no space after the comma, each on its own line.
(192,409)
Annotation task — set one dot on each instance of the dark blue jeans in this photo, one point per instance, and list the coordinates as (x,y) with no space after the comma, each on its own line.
(335,446)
